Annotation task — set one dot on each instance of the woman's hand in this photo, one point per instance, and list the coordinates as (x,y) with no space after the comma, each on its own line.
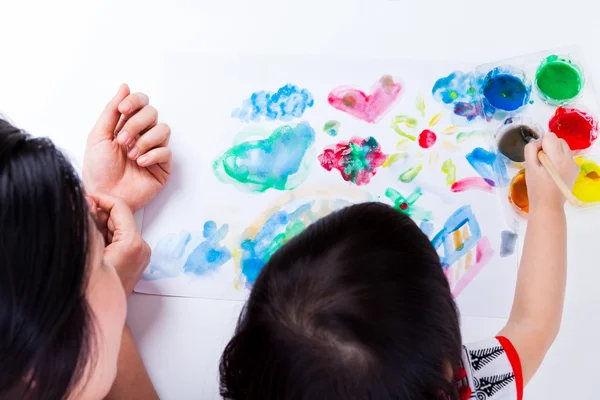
(126,154)
(128,253)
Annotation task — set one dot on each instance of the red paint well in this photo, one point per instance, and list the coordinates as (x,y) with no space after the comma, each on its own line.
(576,127)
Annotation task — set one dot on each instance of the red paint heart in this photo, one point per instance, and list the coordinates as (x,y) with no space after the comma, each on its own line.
(370,108)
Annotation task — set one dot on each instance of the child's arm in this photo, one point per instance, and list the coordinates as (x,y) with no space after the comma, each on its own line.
(537,309)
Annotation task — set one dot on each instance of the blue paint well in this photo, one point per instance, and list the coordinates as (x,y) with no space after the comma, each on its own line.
(489,166)
(505,91)
(289,102)
(209,255)
(166,256)
(461,217)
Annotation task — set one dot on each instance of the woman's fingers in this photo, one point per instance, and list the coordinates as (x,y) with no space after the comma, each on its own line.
(120,215)
(137,124)
(129,106)
(155,137)
(160,156)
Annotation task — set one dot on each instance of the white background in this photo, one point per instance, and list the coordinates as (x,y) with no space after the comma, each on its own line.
(60,61)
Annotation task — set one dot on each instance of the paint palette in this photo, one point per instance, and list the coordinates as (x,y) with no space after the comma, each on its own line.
(528,96)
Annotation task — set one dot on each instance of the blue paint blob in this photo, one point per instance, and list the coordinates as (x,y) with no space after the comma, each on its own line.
(289,102)
(508,243)
(166,256)
(426,228)
(505,91)
(209,255)
(489,166)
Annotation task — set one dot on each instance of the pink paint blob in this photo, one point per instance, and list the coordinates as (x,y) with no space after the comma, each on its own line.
(427,139)
(473,183)
(483,254)
(370,108)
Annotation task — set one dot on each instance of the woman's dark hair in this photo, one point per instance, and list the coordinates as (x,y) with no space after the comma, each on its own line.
(355,307)
(44,315)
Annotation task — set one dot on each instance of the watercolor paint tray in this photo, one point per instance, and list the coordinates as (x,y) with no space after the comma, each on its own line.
(547,90)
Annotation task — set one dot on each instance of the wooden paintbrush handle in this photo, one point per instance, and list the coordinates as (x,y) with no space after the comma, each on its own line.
(543,157)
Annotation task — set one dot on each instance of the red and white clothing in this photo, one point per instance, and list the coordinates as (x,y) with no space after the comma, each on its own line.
(491,370)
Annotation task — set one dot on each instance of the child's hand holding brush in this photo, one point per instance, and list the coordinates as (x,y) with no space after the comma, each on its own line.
(550,172)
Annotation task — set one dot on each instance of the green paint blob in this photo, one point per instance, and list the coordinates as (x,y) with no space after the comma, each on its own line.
(410,174)
(558,80)
(282,161)
(472,135)
(331,128)
(449,169)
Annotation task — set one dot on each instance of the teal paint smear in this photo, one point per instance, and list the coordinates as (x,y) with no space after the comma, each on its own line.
(407,205)
(278,162)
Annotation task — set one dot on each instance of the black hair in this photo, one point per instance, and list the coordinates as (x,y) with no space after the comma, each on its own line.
(45,320)
(355,307)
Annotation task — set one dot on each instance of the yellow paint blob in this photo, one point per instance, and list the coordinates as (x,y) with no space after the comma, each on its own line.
(587,184)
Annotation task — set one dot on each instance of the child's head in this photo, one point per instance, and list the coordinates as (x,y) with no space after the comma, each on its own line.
(355,307)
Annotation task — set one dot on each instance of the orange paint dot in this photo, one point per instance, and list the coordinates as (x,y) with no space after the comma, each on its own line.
(518,194)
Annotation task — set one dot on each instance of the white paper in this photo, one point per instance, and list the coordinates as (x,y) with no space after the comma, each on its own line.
(199,94)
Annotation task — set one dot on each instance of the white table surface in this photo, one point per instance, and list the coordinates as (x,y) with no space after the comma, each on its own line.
(60,61)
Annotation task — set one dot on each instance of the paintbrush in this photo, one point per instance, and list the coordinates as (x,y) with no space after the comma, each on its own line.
(562,186)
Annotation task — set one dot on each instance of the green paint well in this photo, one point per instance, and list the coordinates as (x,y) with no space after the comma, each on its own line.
(559,79)
(410,174)
(407,205)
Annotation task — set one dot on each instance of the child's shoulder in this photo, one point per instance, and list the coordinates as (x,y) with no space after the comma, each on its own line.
(490,370)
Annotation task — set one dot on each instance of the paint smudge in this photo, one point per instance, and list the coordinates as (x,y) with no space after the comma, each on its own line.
(457,245)
(512,141)
(410,174)
(407,205)
(459,92)
(473,183)
(576,127)
(465,274)
(559,80)
(427,138)
(277,162)
(435,119)
(451,130)
(393,158)
(449,169)
(370,108)
(331,128)
(277,230)
(399,131)
(166,256)
(489,166)
(433,158)
(506,89)
(357,160)
(587,184)
(420,104)
(408,121)
(289,102)
(448,146)
(209,255)
(471,135)
(517,195)
(402,145)
(508,243)
(426,228)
